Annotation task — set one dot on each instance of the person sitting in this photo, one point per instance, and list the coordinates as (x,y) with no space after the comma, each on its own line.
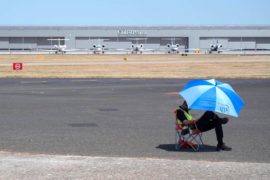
(209,120)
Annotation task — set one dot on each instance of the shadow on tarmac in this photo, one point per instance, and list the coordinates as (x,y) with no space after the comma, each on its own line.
(171,148)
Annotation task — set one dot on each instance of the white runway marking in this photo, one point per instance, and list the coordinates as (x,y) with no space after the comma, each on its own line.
(33,82)
(83,80)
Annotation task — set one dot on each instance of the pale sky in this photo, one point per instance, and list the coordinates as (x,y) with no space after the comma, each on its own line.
(135,12)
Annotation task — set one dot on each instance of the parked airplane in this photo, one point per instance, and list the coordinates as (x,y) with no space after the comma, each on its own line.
(215,48)
(136,48)
(175,48)
(98,49)
(58,48)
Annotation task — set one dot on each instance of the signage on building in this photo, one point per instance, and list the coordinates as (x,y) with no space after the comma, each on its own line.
(17,66)
(125,32)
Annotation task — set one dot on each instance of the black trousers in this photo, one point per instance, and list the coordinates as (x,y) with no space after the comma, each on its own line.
(209,120)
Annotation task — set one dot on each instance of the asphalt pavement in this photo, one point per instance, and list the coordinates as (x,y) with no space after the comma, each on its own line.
(123,118)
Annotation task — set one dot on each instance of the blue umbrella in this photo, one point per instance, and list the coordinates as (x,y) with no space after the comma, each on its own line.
(212,95)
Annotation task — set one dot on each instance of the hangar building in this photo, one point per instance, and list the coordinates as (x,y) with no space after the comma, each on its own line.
(84,37)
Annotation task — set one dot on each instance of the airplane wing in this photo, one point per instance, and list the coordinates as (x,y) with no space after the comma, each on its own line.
(47,50)
(180,50)
(124,50)
(148,50)
(220,50)
(65,50)
(76,50)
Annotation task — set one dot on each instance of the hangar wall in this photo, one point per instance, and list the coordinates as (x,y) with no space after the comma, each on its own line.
(35,37)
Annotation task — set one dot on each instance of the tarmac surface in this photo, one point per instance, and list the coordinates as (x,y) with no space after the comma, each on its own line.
(123,121)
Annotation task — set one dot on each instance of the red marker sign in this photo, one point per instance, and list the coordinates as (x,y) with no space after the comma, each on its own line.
(17,66)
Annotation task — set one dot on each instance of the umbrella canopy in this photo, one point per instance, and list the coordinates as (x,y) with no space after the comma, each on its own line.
(212,95)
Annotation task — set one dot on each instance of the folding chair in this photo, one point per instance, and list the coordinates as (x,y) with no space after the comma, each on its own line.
(185,137)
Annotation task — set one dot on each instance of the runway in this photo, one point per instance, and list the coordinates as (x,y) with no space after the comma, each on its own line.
(122,118)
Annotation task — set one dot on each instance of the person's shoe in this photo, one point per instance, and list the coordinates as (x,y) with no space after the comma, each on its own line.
(223,120)
(223,147)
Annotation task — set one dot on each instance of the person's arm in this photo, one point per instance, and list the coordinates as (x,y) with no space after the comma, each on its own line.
(187,122)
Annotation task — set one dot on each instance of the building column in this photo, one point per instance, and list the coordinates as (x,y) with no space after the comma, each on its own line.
(71,43)
(194,42)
